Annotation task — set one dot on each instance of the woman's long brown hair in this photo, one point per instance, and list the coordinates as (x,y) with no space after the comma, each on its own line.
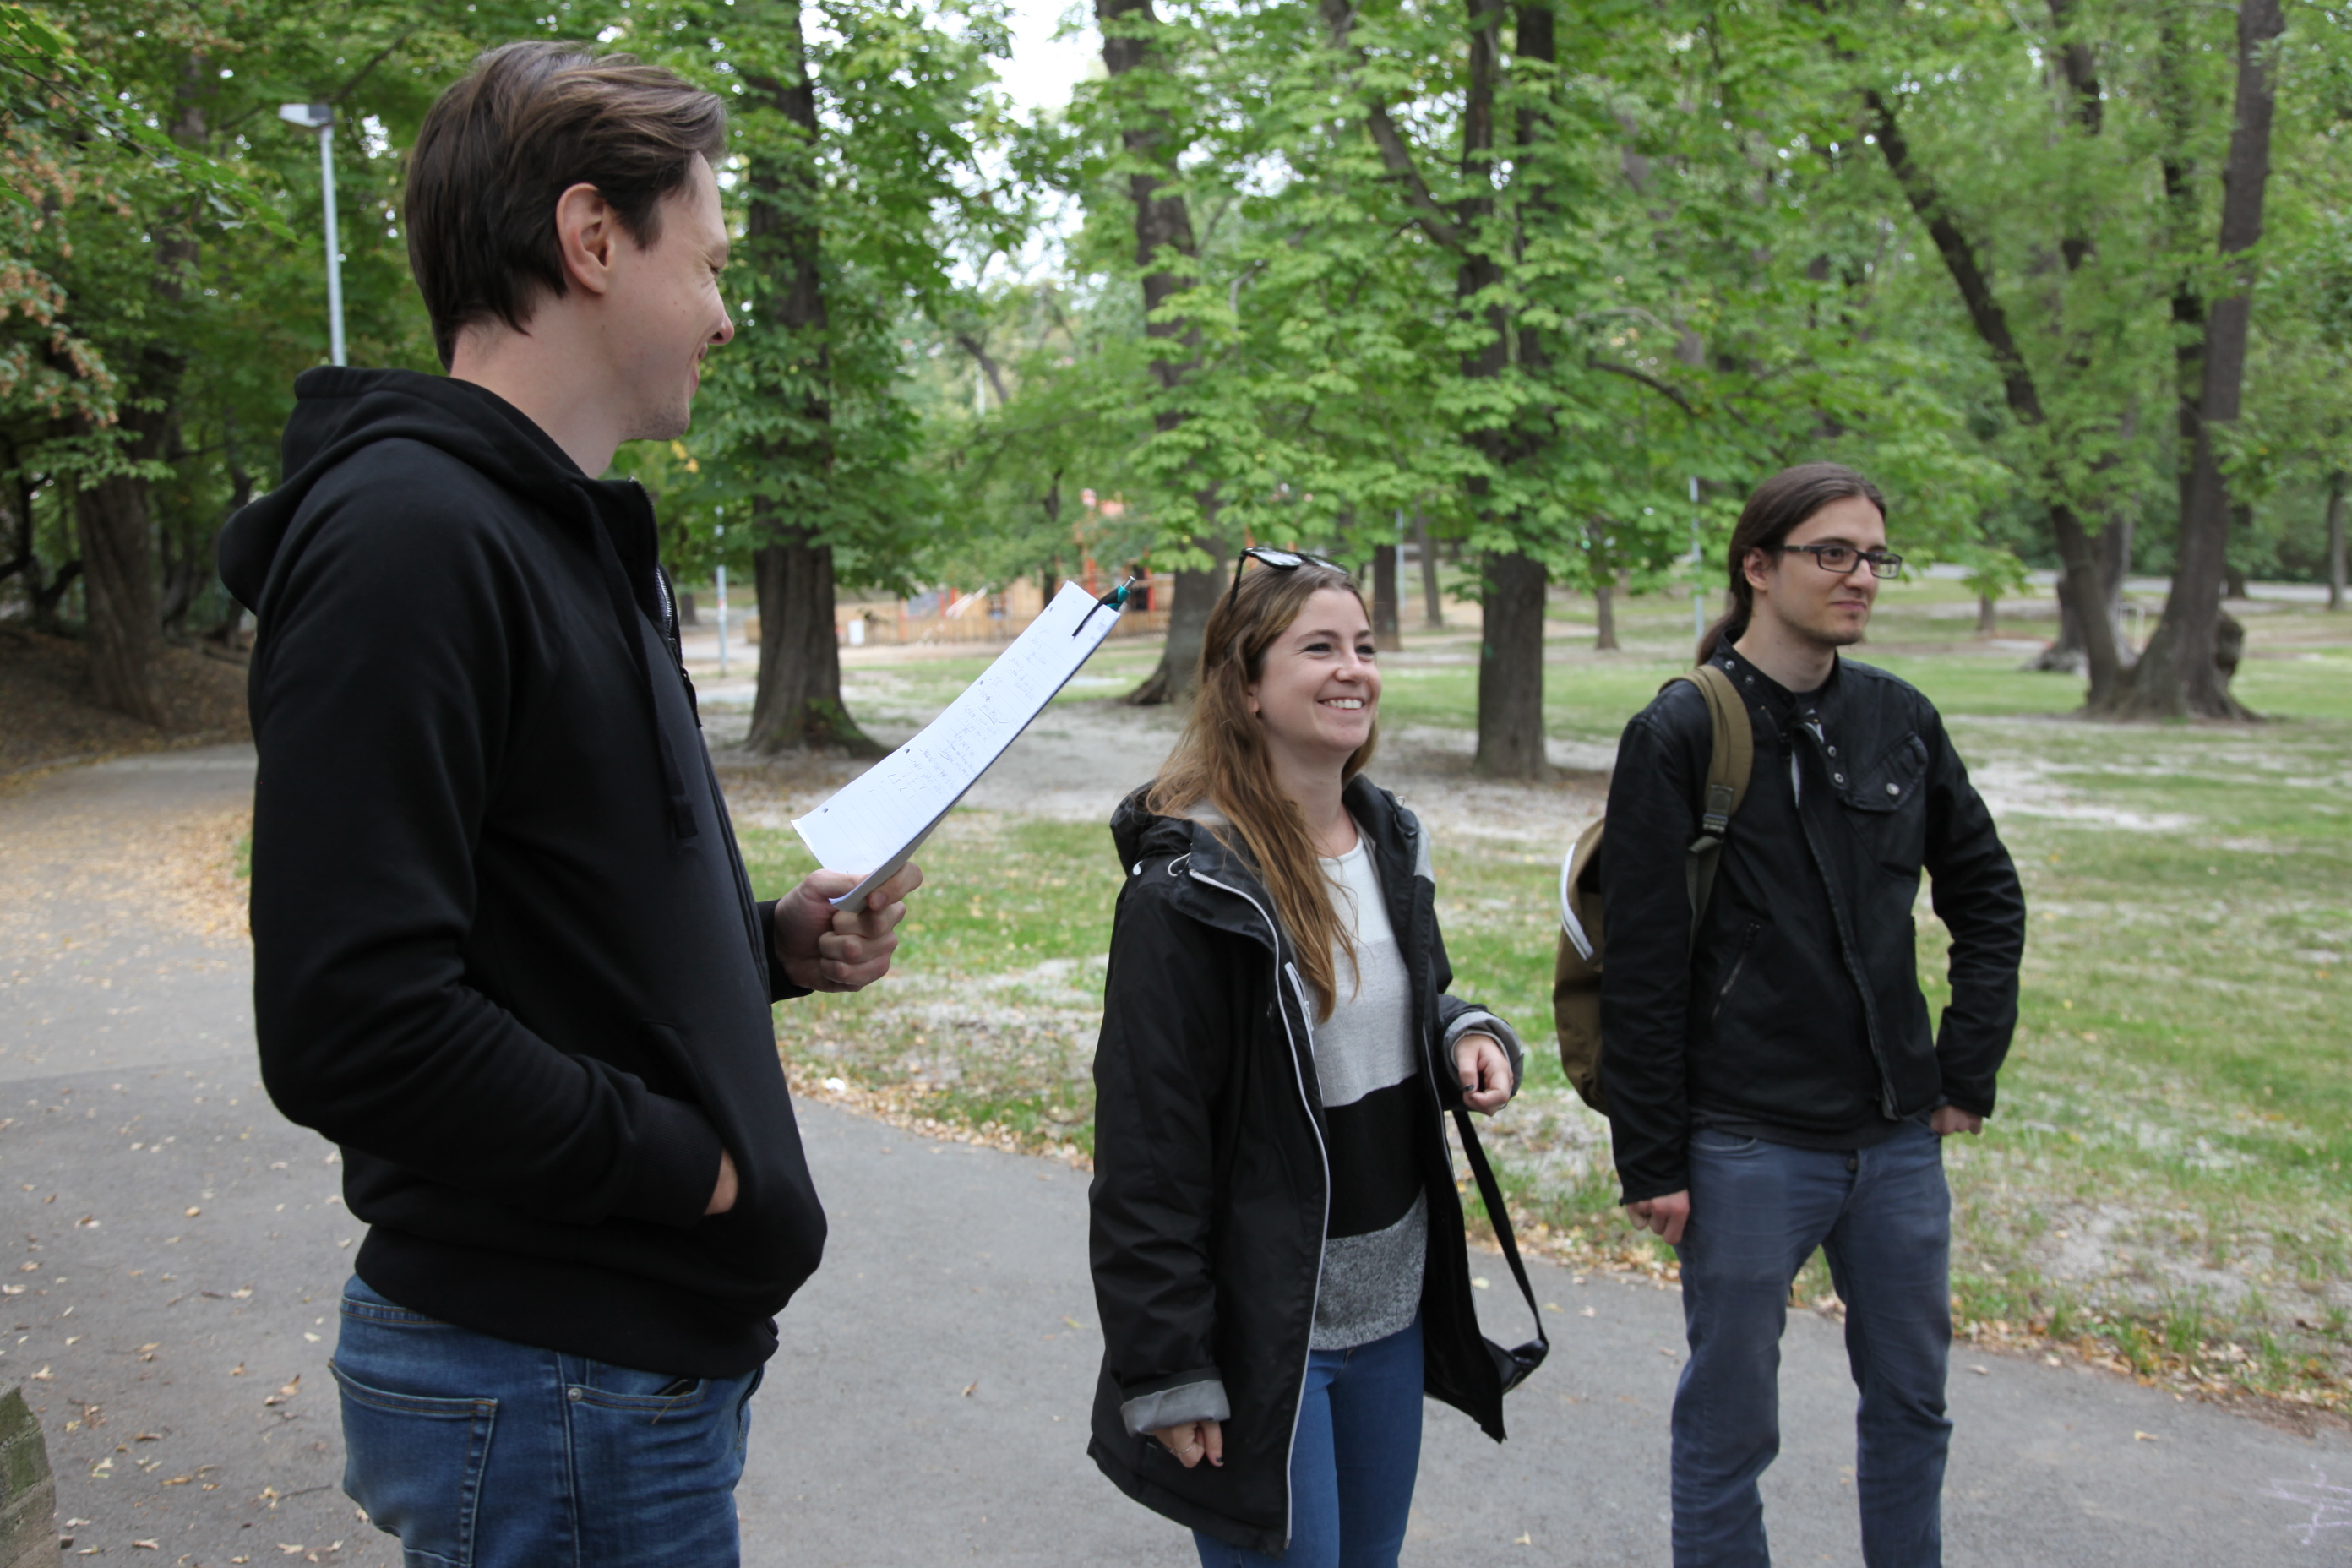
(1220,761)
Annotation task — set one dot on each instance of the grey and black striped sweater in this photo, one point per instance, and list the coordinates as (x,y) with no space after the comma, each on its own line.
(1377,1238)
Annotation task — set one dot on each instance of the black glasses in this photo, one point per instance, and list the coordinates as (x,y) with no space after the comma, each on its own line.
(1280,559)
(1839,559)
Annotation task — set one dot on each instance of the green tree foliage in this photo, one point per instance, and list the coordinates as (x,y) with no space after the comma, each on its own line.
(164,254)
(858,128)
(1530,273)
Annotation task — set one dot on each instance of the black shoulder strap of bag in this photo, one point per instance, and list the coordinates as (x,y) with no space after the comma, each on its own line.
(1519,1361)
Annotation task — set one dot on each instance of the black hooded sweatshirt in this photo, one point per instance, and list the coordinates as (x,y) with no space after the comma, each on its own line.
(505,951)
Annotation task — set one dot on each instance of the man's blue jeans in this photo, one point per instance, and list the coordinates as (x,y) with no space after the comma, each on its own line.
(1353,1463)
(1757,1210)
(481,1453)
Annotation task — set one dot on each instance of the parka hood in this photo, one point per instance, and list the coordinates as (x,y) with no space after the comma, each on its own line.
(1142,834)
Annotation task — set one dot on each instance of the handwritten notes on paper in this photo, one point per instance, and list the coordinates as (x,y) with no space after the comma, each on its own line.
(872,827)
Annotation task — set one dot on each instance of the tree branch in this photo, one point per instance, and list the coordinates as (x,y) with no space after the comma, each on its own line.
(972,346)
(1666,390)
(1396,154)
(1960,256)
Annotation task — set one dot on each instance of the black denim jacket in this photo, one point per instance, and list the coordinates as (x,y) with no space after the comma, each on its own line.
(1798,1009)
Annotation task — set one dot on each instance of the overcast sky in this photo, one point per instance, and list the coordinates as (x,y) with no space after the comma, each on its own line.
(1041,71)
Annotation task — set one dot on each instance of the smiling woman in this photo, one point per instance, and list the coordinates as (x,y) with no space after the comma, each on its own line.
(1279,1253)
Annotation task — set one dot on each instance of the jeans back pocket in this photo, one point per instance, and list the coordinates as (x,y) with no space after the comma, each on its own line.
(414,1463)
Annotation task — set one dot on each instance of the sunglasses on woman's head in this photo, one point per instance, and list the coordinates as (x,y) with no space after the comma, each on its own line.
(1280,559)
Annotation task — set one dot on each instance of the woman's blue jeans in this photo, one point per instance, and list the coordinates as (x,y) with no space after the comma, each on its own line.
(1353,1463)
(481,1453)
(1884,1216)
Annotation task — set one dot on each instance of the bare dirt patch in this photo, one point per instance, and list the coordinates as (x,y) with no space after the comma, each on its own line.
(47,717)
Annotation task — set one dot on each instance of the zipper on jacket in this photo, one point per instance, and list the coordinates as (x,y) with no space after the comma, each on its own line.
(1732,979)
(1289,1494)
(1844,925)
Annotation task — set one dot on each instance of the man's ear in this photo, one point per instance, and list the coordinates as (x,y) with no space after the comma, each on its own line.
(1757,568)
(587,230)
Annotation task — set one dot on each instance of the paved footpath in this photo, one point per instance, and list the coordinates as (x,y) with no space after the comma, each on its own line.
(172,1250)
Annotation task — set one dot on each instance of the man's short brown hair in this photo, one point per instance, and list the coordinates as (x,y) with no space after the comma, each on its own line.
(501,146)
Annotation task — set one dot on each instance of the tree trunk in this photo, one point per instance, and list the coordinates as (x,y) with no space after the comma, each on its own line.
(797,705)
(47,600)
(1510,651)
(240,493)
(2233,576)
(120,589)
(112,513)
(2177,105)
(2181,673)
(1510,669)
(1179,672)
(2114,550)
(2336,539)
(1433,606)
(1604,584)
(1163,228)
(2115,560)
(1387,634)
(1988,615)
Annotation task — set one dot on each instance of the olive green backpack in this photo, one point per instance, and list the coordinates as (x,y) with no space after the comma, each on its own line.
(1576,974)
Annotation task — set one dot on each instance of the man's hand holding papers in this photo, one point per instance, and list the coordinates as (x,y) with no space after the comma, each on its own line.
(830,948)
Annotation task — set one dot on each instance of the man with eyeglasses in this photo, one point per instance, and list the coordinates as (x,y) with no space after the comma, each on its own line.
(1773,1080)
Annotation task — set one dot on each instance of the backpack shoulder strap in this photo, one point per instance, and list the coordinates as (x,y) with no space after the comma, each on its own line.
(1731,761)
(1734,758)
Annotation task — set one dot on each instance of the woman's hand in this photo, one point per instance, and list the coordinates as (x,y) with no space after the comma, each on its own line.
(1485,1071)
(1192,1442)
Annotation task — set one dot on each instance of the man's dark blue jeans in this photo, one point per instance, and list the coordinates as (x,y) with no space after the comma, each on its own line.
(1757,1210)
(481,1453)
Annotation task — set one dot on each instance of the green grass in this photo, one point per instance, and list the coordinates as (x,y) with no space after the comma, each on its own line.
(2164,1186)
(989,1017)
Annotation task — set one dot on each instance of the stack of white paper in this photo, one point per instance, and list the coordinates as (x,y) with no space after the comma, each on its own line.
(871,828)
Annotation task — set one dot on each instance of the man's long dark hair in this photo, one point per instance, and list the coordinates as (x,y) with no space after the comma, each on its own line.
(1771,514)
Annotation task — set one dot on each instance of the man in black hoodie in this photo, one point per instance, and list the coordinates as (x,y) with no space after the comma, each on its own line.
(505,953)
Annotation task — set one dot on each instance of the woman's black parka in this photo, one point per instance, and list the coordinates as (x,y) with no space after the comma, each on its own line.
(1210,1193)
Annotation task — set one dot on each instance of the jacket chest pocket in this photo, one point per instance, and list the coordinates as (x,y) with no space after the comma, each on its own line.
(1885,804)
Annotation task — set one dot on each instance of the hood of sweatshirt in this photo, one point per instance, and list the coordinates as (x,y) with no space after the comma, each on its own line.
(337,412)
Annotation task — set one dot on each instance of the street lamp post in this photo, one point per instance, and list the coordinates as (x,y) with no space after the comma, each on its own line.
(321,118)
(722,604)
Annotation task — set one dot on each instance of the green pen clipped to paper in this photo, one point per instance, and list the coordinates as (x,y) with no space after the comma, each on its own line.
(1115,601)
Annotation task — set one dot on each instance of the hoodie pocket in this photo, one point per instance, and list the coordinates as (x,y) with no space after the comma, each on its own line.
(774,1237)
(665,1044)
